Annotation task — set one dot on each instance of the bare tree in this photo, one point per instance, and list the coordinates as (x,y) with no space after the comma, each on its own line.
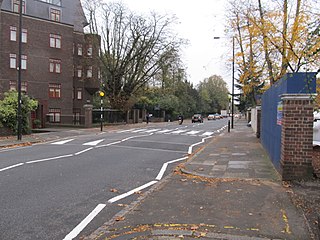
(132,48)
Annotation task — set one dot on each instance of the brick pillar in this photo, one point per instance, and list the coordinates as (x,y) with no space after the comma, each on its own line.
(297,137)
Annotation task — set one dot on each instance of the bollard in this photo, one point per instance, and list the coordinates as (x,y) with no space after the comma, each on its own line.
(228,125)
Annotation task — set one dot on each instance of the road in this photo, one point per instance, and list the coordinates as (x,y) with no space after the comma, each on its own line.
(68,188)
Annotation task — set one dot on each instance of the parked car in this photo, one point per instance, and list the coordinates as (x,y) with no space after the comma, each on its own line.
(218,116)
(197,118)
(211,117)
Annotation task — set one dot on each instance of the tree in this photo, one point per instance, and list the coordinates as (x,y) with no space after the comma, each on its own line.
(272,39)
(132,48)
(9,108)
(214,94)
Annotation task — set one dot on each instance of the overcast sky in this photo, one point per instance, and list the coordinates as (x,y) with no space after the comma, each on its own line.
(200,21)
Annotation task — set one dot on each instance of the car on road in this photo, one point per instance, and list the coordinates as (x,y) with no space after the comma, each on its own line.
(218,116)
(211,117)
(197,118)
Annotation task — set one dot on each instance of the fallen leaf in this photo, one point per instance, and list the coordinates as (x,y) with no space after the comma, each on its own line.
(122,205)
(138,192)
(183,180)
(113,190)
(228,227)
(120,219)
(227,191)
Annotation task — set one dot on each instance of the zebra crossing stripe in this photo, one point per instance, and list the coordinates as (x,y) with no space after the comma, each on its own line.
(165,131)
(179,131)
(207,134)
(152,130)
(139,130)
(193,132)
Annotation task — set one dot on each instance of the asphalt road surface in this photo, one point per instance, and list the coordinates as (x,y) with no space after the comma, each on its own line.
(68,188)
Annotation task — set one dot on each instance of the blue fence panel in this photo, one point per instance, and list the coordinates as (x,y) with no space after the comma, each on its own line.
(291,83)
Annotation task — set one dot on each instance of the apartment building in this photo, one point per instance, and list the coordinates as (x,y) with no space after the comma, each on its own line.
(59,61)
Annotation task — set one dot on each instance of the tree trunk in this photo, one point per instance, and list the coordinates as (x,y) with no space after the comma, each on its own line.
(265,44)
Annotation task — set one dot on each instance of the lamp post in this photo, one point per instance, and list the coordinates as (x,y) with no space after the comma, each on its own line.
(19,117)
(232,87)
(232,96)
(101,93)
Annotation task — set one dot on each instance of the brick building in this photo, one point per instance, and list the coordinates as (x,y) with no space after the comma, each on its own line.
(59,61)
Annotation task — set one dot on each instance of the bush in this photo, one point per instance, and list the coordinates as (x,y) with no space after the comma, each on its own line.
(9,109)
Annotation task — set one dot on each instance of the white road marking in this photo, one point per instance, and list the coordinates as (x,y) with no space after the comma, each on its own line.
(165,165)
(75,232)
(128,130)
(124,195)
(49,159)
(207,134)
(62,142)
(152,130)
(195,144)
(179,131)
(165,131)
(139,130)
(192,132)
(126,139)
(93,143)
(109,144)
(83,151)
(13,166)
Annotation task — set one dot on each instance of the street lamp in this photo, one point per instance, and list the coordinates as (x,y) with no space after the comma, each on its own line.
(19,116)
(232,96)
(101,93)
(232,88)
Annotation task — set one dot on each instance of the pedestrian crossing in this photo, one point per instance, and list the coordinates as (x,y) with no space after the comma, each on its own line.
(175,131)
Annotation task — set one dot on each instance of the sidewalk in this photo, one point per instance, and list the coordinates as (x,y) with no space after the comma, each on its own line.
(228,190)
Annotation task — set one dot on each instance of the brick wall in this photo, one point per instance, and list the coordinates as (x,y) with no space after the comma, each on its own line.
(297,137)
(316,161)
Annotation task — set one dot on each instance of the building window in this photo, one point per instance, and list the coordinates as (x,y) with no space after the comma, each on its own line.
(13,86)
(13,61)
(76,116)
(79,49)
(24,87)
(89,72)
(79,93)
(55,15)
(79,71)
(54,115)
(16,6)
(54,90)
(23,62)
(13,33)
(89,50)
(53,2)
(54,66)
(55,41)
(24,36)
